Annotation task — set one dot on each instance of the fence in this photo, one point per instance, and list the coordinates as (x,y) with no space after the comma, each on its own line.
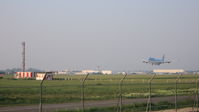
(117,93)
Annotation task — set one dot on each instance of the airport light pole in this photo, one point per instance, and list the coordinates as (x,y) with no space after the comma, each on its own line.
(176,87)
(149,99)
(83,82)
(40,106)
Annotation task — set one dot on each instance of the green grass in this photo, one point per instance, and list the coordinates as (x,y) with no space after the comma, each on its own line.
(97,87)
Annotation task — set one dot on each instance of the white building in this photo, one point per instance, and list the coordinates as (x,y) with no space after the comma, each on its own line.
(41,75)
(106,72)
(168,71)
(90,72)
(62,72)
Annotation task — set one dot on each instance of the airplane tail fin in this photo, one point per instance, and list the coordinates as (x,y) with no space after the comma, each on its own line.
(163,57)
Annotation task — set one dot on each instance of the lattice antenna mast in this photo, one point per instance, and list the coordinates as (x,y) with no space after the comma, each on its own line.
(23,56)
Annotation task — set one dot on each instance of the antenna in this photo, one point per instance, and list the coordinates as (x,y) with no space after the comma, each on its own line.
(23,56)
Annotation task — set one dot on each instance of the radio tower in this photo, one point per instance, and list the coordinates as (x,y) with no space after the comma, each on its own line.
(23,57)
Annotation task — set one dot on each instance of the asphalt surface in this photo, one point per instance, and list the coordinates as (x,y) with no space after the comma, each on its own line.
(78,105)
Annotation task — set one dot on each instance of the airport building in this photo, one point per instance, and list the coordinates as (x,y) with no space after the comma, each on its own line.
(168,71)
(36,75)
(44,75)
(90,72)
(106,72)
(19,75)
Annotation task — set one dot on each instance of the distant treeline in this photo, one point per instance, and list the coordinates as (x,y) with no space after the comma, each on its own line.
(14,70)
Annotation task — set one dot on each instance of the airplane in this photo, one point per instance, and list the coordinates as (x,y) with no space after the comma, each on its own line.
(156,61)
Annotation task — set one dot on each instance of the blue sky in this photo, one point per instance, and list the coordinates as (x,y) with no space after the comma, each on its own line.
(112,34)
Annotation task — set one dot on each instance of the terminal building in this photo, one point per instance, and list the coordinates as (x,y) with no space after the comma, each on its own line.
(168,71)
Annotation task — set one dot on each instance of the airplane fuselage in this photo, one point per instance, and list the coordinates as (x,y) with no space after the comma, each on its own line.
(156,61)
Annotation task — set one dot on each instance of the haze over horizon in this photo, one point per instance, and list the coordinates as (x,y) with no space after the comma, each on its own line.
(115,35)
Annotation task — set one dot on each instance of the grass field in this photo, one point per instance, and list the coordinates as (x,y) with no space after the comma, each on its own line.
(97,87)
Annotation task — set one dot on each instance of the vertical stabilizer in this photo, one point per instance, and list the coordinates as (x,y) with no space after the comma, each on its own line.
(163,57)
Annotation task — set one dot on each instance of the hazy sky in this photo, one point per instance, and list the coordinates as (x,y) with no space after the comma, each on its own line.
(112,34)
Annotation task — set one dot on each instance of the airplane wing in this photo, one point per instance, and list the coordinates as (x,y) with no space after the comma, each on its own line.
(167,62)
(145,61)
